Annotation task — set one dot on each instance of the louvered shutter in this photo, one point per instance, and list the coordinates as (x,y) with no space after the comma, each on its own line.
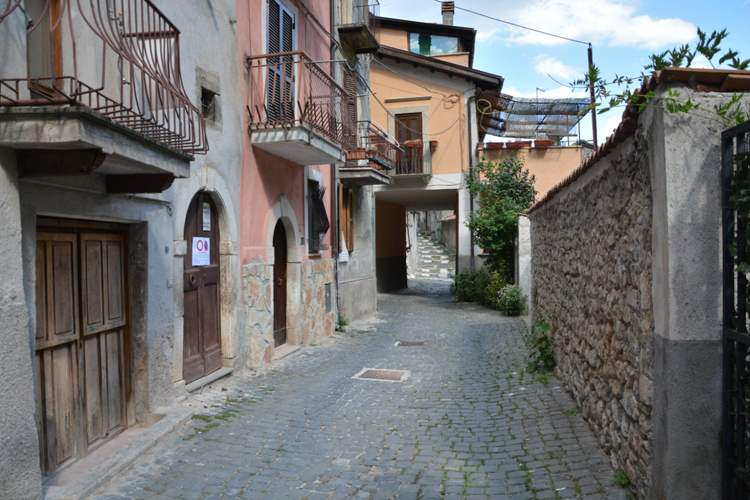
(287,45)
(280,69)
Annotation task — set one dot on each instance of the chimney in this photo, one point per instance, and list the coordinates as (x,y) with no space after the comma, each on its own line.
(448,10)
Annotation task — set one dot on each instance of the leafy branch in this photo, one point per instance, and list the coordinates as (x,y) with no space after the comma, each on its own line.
(709,46)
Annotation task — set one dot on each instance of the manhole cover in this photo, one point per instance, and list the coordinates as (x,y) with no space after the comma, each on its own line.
(384,375)
(411,343)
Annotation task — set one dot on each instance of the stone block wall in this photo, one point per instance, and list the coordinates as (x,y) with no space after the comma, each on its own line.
(316,322)
(592,266)
(257,295)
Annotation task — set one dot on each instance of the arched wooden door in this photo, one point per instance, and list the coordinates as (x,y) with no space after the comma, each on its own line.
(279,285)
(201,351)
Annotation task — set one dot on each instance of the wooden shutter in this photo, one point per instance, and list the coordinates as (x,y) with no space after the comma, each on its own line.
(409,130)
(346,217)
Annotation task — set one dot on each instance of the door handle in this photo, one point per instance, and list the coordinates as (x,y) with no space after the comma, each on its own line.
(279,281)
(192,279)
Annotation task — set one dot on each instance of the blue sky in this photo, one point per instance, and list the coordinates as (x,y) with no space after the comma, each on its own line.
(623,33)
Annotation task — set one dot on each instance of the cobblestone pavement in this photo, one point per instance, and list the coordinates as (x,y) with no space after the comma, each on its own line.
(467,424)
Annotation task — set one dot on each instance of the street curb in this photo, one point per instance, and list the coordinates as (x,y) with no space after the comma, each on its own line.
(106,470)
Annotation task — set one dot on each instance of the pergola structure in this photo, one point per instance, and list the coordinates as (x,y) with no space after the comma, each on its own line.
(503,115)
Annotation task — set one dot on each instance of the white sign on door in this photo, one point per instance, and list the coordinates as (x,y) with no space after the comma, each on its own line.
(206,216)
(201,251)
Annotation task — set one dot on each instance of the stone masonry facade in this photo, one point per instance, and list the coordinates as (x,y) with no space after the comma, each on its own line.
(258,301)
(591,262)
(317,324)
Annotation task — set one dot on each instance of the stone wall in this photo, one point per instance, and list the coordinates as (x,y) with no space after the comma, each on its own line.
(257,294)
(316,322)
(592,267)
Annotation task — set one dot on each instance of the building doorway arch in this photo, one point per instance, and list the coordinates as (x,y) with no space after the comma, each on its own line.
(201,289)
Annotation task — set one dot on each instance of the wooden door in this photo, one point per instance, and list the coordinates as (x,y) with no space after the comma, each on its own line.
(102,345)
(202,293)
(409,134)
(279,285)
(81,346)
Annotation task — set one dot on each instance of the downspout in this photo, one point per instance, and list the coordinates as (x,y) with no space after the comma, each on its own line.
(334,185)
(469,150)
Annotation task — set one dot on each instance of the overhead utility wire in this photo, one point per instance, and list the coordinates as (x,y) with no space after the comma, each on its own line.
(590,52)
(519,26)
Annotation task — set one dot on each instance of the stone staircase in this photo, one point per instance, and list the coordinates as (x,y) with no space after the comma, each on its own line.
(434,261)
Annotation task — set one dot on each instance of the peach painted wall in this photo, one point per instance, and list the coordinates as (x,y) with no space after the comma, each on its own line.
(265,176)
(462,58)
(444,110)
(550,166)
(398,39)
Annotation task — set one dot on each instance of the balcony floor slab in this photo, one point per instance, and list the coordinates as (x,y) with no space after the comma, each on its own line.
(79,128)
(363,176)
(298,144)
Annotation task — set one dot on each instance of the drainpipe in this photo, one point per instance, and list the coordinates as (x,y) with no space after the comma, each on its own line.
(470,119)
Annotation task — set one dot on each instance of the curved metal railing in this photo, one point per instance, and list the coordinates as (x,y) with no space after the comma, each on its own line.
(129,70)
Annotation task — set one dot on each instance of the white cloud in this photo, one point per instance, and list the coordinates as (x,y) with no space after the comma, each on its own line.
(604,131)
(548,65)
(605,22)
(561,92)
(611,22)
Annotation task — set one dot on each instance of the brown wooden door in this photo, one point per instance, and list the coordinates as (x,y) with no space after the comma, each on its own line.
(202,320)
(81,347)
(279,285)
(409,134)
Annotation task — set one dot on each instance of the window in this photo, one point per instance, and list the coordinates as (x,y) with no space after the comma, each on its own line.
(208,104)
(280,68)
(432,45)
(346,218)
(409,134)
(45,45)
(317,218)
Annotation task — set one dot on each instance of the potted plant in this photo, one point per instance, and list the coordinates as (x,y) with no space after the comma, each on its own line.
(544,143)
(359,154)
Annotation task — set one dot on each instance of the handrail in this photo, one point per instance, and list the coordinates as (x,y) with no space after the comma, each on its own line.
(140,84)
(288,89)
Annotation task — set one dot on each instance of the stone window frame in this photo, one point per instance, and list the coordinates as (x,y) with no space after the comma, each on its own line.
(209,82)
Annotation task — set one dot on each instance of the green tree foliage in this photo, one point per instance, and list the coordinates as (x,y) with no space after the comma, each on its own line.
(503,190)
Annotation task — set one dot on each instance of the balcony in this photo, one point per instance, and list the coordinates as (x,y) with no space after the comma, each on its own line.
(101,91)
(297,111)
(355,34)
(374,157)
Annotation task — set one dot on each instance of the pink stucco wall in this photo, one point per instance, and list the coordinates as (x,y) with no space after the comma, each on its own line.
(265,176)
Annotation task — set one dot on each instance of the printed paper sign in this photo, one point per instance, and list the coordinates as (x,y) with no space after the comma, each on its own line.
(201,251)
(206,216)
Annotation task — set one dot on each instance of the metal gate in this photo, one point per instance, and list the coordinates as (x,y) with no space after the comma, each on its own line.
(736,340)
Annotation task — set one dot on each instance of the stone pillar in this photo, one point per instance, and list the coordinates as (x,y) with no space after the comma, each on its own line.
(523,256)
(687,290)
(19,446)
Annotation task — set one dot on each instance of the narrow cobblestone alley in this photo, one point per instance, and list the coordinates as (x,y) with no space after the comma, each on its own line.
(467,423)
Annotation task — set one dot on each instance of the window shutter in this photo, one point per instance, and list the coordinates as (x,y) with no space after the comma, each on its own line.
(274,27)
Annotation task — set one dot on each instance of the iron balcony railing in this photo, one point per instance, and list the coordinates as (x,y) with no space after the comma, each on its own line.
(410,160)
(375,148)
(365,10)
(119,58)
(289,89)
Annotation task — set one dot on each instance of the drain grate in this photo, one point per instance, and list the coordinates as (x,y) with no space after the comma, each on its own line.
(384,375)
(411,343)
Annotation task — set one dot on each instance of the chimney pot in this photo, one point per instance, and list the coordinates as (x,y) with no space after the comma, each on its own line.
(447,9)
